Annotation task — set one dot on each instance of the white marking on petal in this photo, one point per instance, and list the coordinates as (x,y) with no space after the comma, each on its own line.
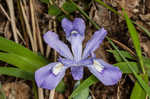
(74,32)
(98,66)
(57,68)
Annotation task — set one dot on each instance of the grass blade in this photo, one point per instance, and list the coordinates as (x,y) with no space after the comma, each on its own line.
(85,84)
(12,47)
(138,92)
(136,41)
(125,69)
(21,62)
(10,71)
(144,29)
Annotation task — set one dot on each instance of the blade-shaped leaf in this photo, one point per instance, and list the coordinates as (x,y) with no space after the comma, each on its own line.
(54,10)
(12,47)
(137,91)
(16,72)
(83,94)
(85,84)
(69,7)
(21,62)
(125,69)
(136,41)
(118,57)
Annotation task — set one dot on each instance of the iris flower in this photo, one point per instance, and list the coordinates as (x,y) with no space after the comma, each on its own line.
(49,76)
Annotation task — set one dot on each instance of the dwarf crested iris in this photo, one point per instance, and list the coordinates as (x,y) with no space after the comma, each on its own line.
(49,76)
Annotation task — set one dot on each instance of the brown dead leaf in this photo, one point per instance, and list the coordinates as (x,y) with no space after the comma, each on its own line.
(100,15)
(130,6)
(16,90)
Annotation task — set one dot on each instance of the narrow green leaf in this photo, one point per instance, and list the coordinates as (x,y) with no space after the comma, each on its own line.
(107,6)
(136,41)
(143,84)
(147,65)
(137,91)
(85,84)
(144,29)
(20,61)
(54,10)
(118,57)
(83,94)
(69,7)
(10,71)
(125,69)
(12,47)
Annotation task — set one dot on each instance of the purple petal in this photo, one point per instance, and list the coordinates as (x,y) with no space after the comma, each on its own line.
(46,79)
(110,75)
(94,42)
(67,26)
(79,25)
(51,38)
(76,46)
(77,72)
(76,69)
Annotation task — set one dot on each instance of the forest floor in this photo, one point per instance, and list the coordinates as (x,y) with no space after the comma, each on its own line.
(16,24)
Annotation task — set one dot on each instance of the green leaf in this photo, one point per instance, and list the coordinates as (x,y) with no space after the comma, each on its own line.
(61,87)
(147,65)
(21,62)
(69,7)
(107,6)
(125,69)
(12,47)
(54,10)
(137,91)
(10,71)
(118,57)
(83,94)
(136,41)
(45,1)
(85,84)
(143,84)
(144,29)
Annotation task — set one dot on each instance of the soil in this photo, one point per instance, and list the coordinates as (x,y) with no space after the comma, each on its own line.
(138,10)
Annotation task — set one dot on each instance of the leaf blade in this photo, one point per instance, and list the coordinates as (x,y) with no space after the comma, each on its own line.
(11,71)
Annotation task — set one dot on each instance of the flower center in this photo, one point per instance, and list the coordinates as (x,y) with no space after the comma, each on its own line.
(97,66)
(74,32)
(57,68)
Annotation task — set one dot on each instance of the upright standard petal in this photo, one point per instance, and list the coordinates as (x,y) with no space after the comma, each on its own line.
(45,77)
(94,42)
(79,25)
(67,25)
(75,38)
(51,38)
(106,73)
